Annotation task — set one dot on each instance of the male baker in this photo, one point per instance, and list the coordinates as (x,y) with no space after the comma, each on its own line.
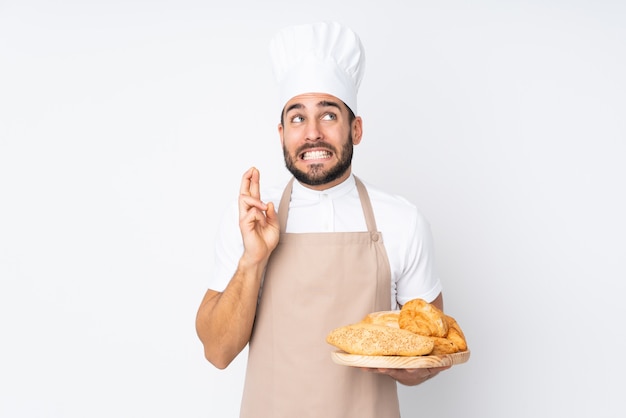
(296,262)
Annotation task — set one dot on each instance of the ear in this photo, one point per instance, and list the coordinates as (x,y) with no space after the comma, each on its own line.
(357,130)
(281,134)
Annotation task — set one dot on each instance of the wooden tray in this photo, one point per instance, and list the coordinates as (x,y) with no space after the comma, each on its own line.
(400,362)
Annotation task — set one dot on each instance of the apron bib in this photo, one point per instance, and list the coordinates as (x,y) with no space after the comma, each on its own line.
(315,282)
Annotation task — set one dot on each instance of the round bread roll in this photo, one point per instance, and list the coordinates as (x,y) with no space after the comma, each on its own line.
(386,318)
(420,317)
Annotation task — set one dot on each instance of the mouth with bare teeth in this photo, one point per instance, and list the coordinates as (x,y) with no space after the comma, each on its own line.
(315,155)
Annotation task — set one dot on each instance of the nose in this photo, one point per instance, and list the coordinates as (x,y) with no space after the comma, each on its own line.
(313,132)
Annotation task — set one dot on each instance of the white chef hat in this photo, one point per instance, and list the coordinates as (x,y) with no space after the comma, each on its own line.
(324,57)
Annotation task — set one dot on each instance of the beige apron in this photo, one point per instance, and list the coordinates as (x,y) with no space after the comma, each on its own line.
(316,282)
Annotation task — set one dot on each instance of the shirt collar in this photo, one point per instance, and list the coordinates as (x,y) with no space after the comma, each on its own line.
(304,193)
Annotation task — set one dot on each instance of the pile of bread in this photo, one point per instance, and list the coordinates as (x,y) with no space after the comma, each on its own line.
(418,329)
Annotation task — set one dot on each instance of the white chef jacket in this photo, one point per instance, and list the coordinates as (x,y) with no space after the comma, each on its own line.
(406,234)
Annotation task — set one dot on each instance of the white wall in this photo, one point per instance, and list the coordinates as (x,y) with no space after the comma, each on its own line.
(125,127)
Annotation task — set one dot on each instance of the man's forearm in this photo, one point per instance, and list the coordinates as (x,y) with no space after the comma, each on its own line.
(225,319)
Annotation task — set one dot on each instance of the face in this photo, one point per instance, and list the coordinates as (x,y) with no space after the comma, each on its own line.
(318,138)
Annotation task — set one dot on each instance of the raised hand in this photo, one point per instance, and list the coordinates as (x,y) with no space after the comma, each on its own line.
(258,221)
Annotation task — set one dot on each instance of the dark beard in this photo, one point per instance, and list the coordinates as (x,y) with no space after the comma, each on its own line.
(315,176)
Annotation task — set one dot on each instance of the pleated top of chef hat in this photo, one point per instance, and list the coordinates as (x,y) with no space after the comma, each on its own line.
(324,57)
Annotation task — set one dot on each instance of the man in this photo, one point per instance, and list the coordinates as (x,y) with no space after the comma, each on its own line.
(321,254)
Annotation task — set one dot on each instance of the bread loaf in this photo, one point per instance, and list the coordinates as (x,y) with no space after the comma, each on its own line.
(379,340)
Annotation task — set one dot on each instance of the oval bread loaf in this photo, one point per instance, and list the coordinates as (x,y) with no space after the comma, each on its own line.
(379,340)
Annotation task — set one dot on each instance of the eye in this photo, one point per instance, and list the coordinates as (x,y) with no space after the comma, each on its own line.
(297,119)
(329,116)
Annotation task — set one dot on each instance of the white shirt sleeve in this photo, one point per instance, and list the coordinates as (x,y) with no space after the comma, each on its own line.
(410,248)
(420,279)
(228,249)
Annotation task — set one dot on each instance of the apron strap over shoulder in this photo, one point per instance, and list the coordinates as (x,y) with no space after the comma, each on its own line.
(366,204)
(283,206)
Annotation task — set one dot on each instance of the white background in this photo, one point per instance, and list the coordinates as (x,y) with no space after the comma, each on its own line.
(125,127)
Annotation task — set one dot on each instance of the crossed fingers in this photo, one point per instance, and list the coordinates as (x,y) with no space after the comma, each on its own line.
(250,195)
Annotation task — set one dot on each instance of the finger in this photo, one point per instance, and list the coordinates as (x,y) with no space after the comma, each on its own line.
(246,180)
(255,185)
(271,214)
(255,218)
(252,219)
(432,372)
(246,203)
